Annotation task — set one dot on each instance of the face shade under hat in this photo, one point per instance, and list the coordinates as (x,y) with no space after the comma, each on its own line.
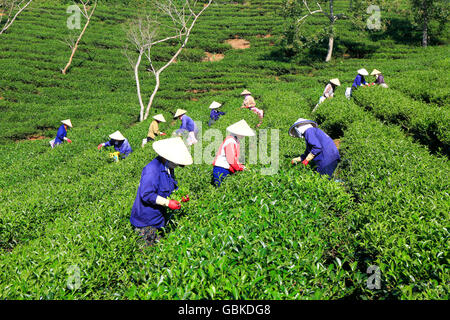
(296,132)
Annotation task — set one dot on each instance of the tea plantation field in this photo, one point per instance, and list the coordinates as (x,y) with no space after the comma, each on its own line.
(64,214)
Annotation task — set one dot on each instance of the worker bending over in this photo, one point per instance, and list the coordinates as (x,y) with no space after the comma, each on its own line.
(148,214)
(61,135)
(187,124)
(153,130)
(120,144)
(320,148)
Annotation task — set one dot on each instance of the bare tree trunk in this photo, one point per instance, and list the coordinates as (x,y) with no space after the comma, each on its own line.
(425,25)
(75,47)
(155,90)
(10,22)
(331,37)
(330,48)
(138,85)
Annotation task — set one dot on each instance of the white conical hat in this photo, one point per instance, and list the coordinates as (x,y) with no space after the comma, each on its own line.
(375,72)
(335,81)
(363,72)
(159,117)
(303,124)
(117,136)
(173,149)
(215,105)
(245,92)
(67,122)
(241,128)
(179,113)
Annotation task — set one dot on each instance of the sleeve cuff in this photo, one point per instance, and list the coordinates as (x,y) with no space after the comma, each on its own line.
(310,157)
(162,201)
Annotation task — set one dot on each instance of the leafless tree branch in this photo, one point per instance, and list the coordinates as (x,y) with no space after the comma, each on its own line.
(87,12)
(9,7)
(144,34)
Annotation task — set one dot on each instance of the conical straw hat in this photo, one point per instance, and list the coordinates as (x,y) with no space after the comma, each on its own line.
(335,81)
(159,117)
(363,72)
(375,72)
(67,122)
(117,136)
(215,105)
(245,92)
(174,150)
(241,128)
(300,122)
(179,113)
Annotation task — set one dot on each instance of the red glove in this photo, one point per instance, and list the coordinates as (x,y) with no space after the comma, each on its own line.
(69,141)
(163,134)
(174,205)
(305,162)
(185,199)
(99,146)
(236,167)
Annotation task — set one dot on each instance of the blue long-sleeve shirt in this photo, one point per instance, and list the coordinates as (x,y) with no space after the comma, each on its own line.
(358,80)
(215,115)
(188,124)
(122,146)
(60,135)
(156,180)
(322,146)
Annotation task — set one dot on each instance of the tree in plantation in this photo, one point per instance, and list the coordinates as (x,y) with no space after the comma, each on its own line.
(88,11)
(298,12)
(172,22)
(425,11)
(9,10)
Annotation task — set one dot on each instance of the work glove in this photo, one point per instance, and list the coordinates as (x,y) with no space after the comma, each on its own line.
(100,146)
(185,199)
(308,159)
(236,167)
(174,205)
(296,160)
(69,141)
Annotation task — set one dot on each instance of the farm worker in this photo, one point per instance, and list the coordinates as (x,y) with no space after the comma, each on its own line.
(249,103)
(119,142)
(320,148)
(155,187)
(62,133)
(359,79)
(227,158)
(215,114)
(329,91)
(153,130)
(379,78)
(187,124)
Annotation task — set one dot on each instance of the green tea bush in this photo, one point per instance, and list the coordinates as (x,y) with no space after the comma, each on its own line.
(429,124)
(403,210)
